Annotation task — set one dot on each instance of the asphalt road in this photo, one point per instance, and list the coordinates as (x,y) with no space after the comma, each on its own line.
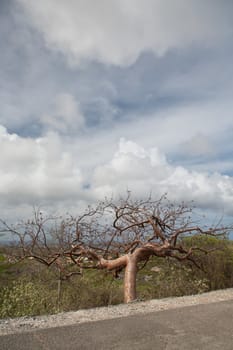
(198,327)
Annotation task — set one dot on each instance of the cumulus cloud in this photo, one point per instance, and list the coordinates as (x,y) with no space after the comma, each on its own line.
(46,170)
(32,170)
(145,171)
(116,32)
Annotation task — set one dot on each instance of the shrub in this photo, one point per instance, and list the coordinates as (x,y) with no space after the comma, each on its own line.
(29,288)
(171,280)
(26,298)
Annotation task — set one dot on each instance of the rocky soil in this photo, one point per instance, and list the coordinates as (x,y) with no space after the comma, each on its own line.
(25,324)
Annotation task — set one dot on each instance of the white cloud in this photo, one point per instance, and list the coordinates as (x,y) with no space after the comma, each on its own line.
(117,31)
(144,171)
(32,170)
(51,172)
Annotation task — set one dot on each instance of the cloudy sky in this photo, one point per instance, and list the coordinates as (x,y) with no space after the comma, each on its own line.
(100,97)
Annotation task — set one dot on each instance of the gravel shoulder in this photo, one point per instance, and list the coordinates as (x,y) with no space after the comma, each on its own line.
(26,324)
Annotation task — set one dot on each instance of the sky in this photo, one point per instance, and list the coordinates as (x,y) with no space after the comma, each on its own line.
(101,97)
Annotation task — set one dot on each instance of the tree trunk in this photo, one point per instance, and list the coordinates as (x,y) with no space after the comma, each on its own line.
(130,279)
(129,261)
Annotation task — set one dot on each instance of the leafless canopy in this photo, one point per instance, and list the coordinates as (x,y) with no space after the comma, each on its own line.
(112,236)
(110,231)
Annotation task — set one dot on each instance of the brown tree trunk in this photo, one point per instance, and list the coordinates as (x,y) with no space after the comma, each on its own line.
(131,269)
(129,261)
(130,279)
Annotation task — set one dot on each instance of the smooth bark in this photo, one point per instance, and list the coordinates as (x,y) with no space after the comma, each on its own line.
(130,263)
(130,279)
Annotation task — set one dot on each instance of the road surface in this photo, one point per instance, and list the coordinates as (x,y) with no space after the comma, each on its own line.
(198,327)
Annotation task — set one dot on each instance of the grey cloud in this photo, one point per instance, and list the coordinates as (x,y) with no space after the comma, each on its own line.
(117,32)
(65,116)
(105,94)
(198,145)
(159,82)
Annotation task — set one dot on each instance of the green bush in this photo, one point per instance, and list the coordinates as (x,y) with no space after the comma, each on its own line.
(39,294)
(26,298)
(218,264)
(172,279)
(94,289)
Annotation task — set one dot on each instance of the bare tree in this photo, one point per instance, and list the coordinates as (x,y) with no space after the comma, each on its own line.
(113,236)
